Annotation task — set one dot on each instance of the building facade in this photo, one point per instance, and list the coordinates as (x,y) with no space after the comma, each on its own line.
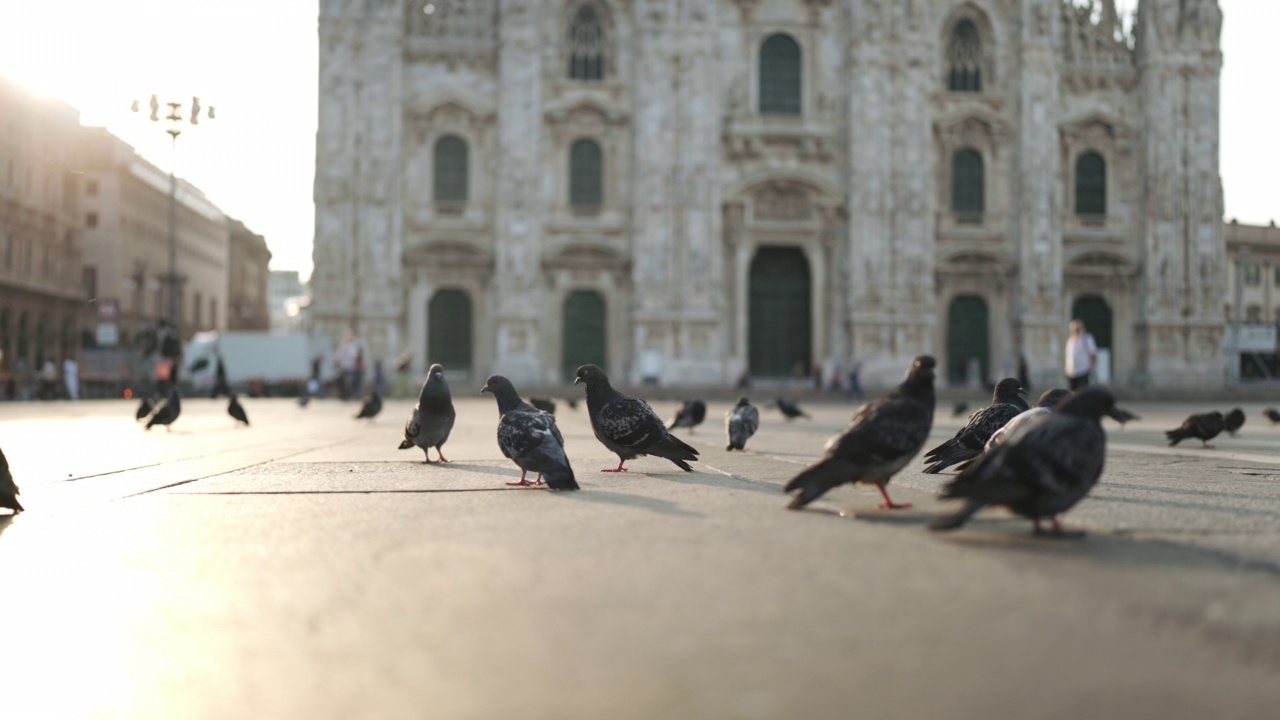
(290,300)
(247,278)
(126,210)
(41,292)
(690,190)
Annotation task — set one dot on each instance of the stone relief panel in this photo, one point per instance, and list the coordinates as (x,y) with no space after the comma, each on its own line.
(455,31)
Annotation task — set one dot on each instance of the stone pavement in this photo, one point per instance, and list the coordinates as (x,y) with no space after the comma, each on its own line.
(305,568)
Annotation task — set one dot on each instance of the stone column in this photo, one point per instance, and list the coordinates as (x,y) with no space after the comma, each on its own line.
(1037,314)
(520,201)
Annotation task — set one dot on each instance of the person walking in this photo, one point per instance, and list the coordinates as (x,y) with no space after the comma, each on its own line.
(1081,355)
(71,378)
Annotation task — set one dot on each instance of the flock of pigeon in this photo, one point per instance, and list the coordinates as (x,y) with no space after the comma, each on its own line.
(1037,462)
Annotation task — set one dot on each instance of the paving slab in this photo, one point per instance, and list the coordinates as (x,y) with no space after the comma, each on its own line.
(306,568)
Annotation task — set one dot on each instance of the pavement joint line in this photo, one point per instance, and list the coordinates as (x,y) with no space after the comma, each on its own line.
(749,481)
(1205,453)
(235,470)
(355,492)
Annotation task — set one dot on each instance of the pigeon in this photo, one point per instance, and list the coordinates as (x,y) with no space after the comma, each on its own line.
(790,409)
(690,415)
(372,406)
(529,437)
(167,410)
(1041,471)
(1233,421)
(236,410)
(1204,427)
(1272,415)
(882,438)
(432,417)
(8,488)
(740,423)
(145,409)
(545,404)
(1007,401)
(572,403)
(1043,406)
(199,364)
(960,408)
(627,425)
(303,399)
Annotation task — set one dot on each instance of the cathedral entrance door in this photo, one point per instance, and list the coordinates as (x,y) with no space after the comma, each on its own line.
(584,332)
(779,313)
(968,341)
(449,330)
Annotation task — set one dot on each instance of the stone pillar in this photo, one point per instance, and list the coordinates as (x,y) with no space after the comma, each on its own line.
(358,244)
(519,312)
(1037,314)
(1182,285)
(891,229)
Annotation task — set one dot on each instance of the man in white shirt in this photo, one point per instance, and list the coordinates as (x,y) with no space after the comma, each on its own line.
(1082,355)
(71,378)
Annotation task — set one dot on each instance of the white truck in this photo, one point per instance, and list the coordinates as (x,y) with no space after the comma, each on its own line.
(274,364)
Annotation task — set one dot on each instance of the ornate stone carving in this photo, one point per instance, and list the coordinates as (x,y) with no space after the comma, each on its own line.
(782,203)
(452,30)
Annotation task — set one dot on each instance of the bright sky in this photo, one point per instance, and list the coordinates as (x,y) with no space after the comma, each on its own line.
(256,61)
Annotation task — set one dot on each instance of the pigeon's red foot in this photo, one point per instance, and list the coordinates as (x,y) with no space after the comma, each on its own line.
(617,469)
(539,480)
(442,457)
(888,503)
(522,483)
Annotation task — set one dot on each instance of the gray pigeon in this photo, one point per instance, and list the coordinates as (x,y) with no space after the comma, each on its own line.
(236,410)
(1042,471)
(1272,414)
(883,437)
(1233,421)
(740,423)
(167,410)
(627,425)
(529,437)
(432,417)
(8,488)
(1007,401)
(1048,400)
(545,404)
(372,406)
(1203,427)
(690,415)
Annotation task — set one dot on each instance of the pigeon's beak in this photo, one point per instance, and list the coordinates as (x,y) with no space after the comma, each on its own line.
(484,389)
(577,380)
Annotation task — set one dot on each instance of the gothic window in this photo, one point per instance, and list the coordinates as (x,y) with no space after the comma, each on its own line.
(450,178)
(586,44)
(780,75)
(1091,184)
(964,58)
(967,182)
(586,174)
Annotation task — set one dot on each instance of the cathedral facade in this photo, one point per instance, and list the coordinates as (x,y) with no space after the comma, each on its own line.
(685,190)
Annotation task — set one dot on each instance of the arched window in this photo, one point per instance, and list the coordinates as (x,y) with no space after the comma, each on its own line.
(964,58)
(966,182)
(586,44)
(1091,184)
(450,178)
(586,172)
(780,75)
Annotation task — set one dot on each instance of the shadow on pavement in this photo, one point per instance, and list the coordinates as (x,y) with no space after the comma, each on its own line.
(664,507)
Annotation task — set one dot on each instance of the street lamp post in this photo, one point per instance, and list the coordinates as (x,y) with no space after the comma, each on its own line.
(174,124)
